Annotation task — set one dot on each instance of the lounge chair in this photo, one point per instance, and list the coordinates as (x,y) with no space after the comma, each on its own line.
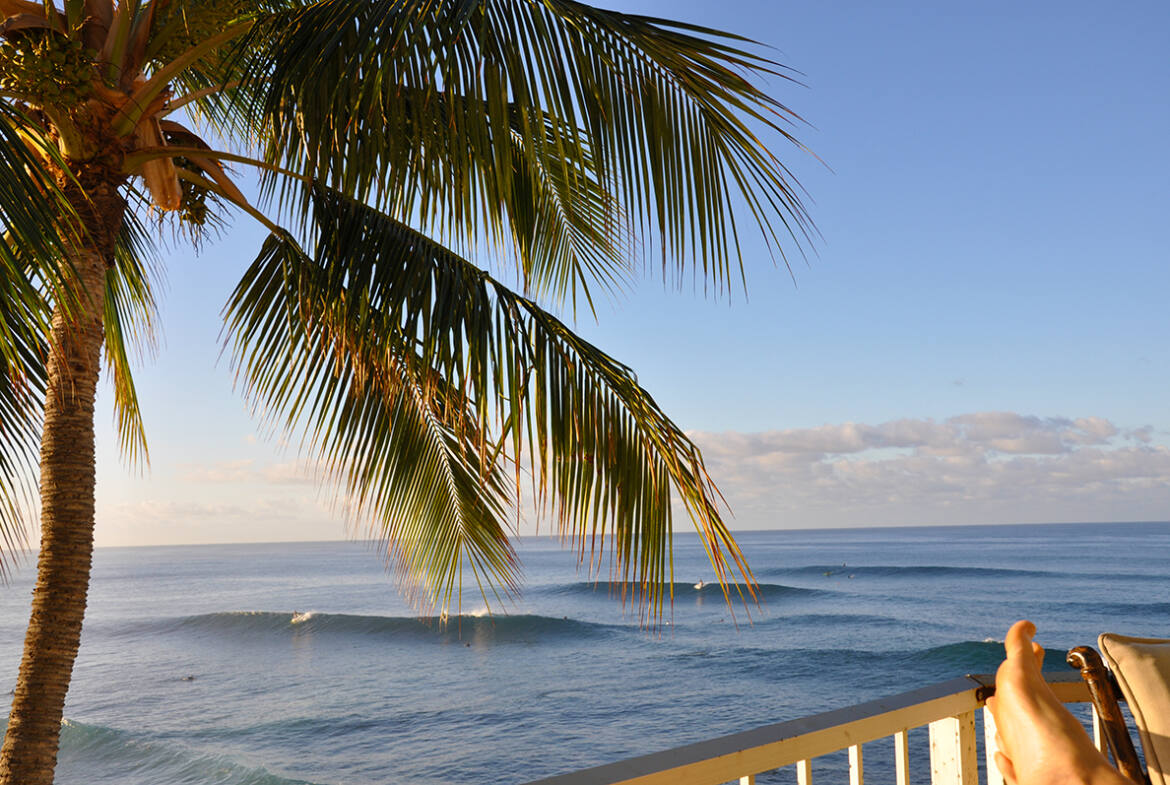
(1139,670)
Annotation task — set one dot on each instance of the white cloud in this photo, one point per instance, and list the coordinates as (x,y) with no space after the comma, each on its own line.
(1097,428)
(984,467)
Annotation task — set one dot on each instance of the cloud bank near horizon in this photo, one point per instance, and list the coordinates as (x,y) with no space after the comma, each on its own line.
(984,467)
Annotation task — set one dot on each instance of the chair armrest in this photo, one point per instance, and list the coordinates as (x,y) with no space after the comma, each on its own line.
(1103,691)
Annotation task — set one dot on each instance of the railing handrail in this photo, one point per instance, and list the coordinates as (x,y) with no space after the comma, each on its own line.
(727,758)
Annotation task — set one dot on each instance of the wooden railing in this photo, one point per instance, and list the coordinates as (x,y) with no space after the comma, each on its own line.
(947,709)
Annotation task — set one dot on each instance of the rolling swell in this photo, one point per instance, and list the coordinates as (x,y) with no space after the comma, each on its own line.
(1119,610)
(94,750)
(682,591)
(964,657)
(979,657)
(818,619)
(916,571)
(502,629)
(935,663)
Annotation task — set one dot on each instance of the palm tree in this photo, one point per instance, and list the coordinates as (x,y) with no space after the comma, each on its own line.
(392,141)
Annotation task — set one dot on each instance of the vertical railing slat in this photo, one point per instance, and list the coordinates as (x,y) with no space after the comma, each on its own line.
(1099,732)
(902,758)
(994,776)
(856,766)
(747,779)
(952,751)
(804,772)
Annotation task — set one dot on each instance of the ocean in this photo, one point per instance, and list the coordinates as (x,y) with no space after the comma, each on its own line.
(273,664)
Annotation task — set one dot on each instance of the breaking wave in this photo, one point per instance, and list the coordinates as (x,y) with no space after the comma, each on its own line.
(500,628)
(95,752)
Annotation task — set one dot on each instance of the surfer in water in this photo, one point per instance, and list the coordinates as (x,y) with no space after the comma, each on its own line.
(1040,743)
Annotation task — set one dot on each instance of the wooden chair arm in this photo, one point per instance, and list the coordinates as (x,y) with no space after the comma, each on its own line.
(1103,691)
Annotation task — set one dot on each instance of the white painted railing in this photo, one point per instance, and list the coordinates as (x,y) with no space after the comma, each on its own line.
(948,709)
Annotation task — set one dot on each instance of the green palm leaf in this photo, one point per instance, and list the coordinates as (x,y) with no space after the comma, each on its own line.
(397,436)
(129,329)
(24,315)
(669,121)
(565,228)
(335,341)
(33,213)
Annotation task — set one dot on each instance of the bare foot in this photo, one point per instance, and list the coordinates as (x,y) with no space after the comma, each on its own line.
(1040,743)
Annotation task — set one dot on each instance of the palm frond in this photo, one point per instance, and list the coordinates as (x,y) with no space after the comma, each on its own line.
(568,231)
(33,212)
(129,330)
(334,341)
(669,116)
(399,438)
(209,88)
(24,324)
(24,316)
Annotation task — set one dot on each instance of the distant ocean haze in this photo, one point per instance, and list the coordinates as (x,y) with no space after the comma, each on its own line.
(299,663)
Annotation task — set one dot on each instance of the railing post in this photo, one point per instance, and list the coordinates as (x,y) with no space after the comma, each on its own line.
(1099,738)
(804,772)
(856,766)
(902,758)
(952,751)
(747,779)
(994,775)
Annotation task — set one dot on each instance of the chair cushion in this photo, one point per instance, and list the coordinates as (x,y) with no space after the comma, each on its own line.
(1142,668)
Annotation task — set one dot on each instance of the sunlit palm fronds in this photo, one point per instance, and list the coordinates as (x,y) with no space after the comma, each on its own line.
(398,435)
(668,113)
(568,230)
(129,330)
(24,316)
(370,305)
(35,218)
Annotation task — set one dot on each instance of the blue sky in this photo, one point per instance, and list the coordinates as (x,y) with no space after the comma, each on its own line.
(981,336)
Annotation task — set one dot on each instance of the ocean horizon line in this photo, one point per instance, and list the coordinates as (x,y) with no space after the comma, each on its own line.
(554,538)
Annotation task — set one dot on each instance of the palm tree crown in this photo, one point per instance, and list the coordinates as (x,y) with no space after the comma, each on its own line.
(392,139)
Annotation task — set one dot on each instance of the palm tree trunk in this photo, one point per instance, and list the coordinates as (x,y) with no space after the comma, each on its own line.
(29,754)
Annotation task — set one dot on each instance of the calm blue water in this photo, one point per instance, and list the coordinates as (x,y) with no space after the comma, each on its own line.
(192,669)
